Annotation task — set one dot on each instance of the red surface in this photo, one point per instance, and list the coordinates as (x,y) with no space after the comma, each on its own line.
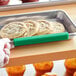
(4,2)
(29,1)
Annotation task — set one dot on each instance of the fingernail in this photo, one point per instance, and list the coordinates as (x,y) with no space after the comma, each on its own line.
(5,46)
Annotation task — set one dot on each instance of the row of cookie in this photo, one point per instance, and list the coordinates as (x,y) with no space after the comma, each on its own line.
(30,28)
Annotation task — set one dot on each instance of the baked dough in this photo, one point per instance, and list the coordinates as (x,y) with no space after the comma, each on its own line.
(13,30)
(45,27)
(33,27)
(57,27)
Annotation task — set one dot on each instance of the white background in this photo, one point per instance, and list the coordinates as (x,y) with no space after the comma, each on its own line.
(13,2)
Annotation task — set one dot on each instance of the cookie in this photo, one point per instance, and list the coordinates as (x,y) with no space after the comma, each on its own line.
(57,27)
(33,27)
(44,27)
(26,34)
(13,30)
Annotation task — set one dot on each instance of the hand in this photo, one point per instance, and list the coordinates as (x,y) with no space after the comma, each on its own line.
(4,51)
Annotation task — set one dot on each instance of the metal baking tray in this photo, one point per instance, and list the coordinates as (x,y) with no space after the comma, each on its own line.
(55,15)
(36,4)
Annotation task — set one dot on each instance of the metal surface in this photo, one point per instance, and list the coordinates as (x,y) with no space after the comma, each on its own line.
(56,15)
(36,4)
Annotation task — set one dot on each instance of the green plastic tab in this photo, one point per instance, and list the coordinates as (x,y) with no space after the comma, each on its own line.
(41,39)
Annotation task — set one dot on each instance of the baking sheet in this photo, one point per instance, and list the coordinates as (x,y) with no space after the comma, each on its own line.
(36,4)
(58,68)
(56,15)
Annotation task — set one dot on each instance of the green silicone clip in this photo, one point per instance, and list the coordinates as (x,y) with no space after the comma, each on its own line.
(41,39)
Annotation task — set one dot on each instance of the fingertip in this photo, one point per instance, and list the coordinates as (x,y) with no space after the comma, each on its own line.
(7,45)
(7,51)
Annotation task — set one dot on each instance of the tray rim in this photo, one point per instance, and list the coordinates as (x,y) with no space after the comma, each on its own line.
(60,10)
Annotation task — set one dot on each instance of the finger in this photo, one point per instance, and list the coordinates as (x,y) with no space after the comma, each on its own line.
(2,56)
(6,59)
(7,45)
(7,51)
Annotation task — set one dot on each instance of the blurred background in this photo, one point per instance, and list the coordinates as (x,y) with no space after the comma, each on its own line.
(14,2)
